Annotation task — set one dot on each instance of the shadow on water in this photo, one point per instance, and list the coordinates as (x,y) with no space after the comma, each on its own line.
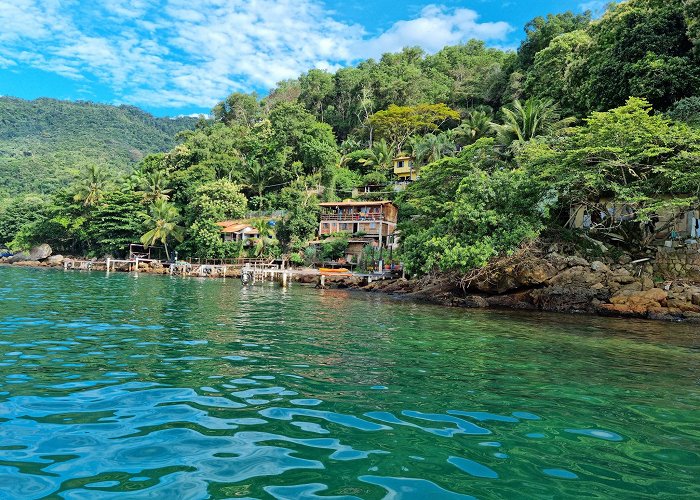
(155,387)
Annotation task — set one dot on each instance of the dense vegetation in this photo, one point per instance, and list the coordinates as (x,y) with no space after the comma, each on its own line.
(506,143)
(44,143)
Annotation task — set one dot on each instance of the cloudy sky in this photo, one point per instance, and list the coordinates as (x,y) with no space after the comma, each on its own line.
(182,56)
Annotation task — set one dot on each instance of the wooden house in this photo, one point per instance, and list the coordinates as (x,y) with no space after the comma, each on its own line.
(374,221)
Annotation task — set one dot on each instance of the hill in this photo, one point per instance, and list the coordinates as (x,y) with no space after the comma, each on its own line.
(45,142)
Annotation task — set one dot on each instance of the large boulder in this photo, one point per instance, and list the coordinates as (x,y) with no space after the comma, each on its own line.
(40,252)
(55,260)
(19,257)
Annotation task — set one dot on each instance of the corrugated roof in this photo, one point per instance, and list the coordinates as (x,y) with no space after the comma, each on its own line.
(234,228)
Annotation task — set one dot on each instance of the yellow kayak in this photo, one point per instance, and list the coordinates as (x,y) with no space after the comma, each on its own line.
(329,270)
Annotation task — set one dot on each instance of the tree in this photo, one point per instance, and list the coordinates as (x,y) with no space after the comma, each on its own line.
(161,222)
(431,147)
(524,121)
(559,69)
(641,48)
(92,186)
(692,18)
(466,211)
(686,110)
(378,157)
(643,161)
(542,30)
(154,186)
(397,123)
(238,108)
(18,212)
(114,223)
(476,124)
(316,86)
(266,243)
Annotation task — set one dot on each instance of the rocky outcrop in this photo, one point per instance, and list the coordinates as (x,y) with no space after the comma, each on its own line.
(40,252)
(555,282)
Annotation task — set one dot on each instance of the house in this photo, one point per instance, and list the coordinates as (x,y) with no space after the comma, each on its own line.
(373,221)
(237,230)
(667,224)
(404,168)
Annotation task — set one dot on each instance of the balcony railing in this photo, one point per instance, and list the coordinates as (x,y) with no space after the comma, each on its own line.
(353,217)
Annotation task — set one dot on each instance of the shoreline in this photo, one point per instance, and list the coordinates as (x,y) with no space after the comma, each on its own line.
(552,283)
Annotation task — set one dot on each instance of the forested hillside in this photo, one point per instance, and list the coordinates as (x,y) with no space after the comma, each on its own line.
(44,143)
(505,144)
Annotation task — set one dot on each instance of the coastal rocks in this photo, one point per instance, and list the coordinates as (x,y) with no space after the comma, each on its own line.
(18,257)
(28,263)
(55,260)
(40,252)
(636,302)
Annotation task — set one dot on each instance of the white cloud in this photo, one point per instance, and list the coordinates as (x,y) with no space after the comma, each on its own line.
(436,27)
(194,52)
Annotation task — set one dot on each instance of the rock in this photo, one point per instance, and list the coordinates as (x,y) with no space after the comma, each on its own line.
(40,252)
(28,263)
(647,283)
(635,302)
(55,260)
(566,298)
(19,257)
(599,267)
(695,299)
(575,276)
(472,301)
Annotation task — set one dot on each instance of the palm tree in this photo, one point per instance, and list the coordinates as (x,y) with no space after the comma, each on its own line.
(431,147)
(476,124)
(523,121)
(134,181)
(258,178)
(380,156)
(267,238)
(92,186)
(162,223)
(154,186)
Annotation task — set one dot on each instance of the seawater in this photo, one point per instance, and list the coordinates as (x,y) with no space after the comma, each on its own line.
(126,386)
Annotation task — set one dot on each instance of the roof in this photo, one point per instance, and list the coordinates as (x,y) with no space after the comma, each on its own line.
(355,203)
(234,228)
(404,158)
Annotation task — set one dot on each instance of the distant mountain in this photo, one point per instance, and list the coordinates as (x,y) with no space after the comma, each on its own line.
(44,143)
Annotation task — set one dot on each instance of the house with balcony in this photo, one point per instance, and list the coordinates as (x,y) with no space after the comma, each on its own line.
(373,221)
(405,168)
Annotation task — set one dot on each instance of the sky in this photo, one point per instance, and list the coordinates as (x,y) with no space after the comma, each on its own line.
(180,57)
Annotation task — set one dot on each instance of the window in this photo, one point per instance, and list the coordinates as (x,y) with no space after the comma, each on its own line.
(401,164)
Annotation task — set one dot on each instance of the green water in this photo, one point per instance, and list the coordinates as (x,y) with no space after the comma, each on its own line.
(150,387)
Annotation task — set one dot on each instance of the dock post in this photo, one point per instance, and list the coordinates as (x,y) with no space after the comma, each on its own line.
(284,279)
(108,262)
(323,281)
(224,272)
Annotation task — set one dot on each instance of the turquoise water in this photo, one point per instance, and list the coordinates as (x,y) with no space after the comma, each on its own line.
(153,387)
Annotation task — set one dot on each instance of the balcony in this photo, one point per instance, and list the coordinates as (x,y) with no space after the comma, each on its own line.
(403,171)
(356,217)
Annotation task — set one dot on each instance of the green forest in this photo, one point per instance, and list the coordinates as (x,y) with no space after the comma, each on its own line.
(46,143)
(505,142)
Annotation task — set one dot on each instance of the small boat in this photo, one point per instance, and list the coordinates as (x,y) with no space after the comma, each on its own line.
(329,270)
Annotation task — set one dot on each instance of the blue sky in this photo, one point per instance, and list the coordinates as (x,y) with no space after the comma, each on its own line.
(174,57)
